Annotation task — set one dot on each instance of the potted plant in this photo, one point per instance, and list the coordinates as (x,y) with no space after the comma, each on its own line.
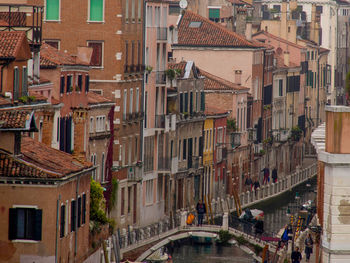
(148,69)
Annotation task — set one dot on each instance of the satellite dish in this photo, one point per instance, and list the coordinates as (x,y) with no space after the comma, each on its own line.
(183,4)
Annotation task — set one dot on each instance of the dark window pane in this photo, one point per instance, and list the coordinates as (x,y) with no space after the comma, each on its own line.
(96,59)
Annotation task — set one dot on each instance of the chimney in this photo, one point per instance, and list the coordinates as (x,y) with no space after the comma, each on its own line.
(286,58)
(248,31)
(313,23)
(238,77)
(283,31)
(84,54)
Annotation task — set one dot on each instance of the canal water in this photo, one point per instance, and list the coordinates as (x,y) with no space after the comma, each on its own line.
(275,217)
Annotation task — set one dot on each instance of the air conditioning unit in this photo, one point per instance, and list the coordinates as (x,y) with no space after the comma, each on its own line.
(8,95)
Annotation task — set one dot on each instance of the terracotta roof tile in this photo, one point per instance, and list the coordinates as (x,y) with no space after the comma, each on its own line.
(268,35)
(15,119)
(10,43)
(53,162)
(94,98)
(51,57)
(212,82)
(239,2)
(195,30)
(181,66)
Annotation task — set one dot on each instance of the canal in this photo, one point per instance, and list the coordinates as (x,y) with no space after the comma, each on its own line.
(275,217)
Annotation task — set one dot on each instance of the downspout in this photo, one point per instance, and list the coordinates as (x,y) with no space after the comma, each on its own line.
(57,220)
(143,79)
(318,89)
(76,215)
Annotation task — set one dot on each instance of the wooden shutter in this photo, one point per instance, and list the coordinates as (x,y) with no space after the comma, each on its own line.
(38,224)
(87,79)
(52,9)
(24,82)
(191,102)
(201,146)
(202,101)
(62,85)
(79,211)
(15,84)
(73,216)
(80,82)
(181,102)
(12,223)
(68,135)
(186,102)
(84,209)
(62,225)
(96,10)
(62,134)
(184,150)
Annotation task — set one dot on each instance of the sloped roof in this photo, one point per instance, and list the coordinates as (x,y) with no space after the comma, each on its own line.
(268,35)
(51,57)
(213,82)
(195,30)
(53,163)
(17,120)
(10,43)
(180,66)
(94,98)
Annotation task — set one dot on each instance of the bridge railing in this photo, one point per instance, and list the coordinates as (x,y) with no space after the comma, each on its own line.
(249,198)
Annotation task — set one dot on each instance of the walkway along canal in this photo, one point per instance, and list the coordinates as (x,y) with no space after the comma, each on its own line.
(133,242)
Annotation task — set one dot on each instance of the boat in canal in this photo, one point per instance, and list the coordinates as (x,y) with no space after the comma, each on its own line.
(203,237)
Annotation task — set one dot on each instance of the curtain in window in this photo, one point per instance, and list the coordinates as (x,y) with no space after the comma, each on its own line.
(96,59)
(96,10)
(52,9)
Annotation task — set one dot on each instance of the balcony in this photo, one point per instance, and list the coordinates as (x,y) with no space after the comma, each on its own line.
(160,121)
(162,33)
(258,149)
(134,173)
(281,135)
(164,163)
(160,77)
(235,139)
(221,154)
(252,134)
(16,18)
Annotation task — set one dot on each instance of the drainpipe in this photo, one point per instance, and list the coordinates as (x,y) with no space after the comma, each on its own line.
(57,220)
(143,78)
(76,215)
(318,90)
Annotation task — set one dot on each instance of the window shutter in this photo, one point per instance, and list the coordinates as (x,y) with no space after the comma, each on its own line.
(15,84)
(68,135)
(52,9)
(84,209)
(191,103)
(12,223)
(96,10)
(63,216)
(62,85)
(79,211)
(73,216)
(80,82)
(87,79)
(201,146)
(184,150)
(202,101)
(62,134)
(186,102)
(181,102)
(24,82)
(38,224)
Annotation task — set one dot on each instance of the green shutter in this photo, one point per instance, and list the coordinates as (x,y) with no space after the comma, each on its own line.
(214,13)
(24,82)
(38,224)
(96,10)
(52,9)
(202,101)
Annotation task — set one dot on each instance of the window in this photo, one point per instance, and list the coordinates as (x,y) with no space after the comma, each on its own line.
(87,79)
(149,16)
(125,99)
(181,102)
(24,81)
(83,214)
(195,24)
(62,86)
(184,150)
(15,83)
(103,167)
(280,87)
(126,54)
(69,84)
(202,101)
(97,53)
(25,223)
(96,10)
(52,10)
(139,5)
(91,124)
(160,188)
(149,191)
(79,211)
(126,10)
(53,43)
(179,153)
(214,14)
(122,205)
(131,101)
(137,99)
(80,82)
(100,123)
(73,216)
(129,199)
(133,10)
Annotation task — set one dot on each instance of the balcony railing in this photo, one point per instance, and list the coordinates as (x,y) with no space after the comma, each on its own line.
(164,163)
(160,121)
(196,162)
(134,173)
(160,77)
(162,33)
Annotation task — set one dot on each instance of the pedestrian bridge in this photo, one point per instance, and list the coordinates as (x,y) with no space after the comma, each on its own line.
(152,237)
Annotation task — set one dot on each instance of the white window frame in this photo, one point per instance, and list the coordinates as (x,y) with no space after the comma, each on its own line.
(59,12)
(103,52)
(54,40)
(131,101)
(137,100)
(125,100)
(149,191)
(103,16)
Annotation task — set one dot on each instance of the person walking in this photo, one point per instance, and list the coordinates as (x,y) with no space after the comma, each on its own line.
(266,172)
(308,247)
(201,210)
(248,183)
(296,256)
(274,175)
